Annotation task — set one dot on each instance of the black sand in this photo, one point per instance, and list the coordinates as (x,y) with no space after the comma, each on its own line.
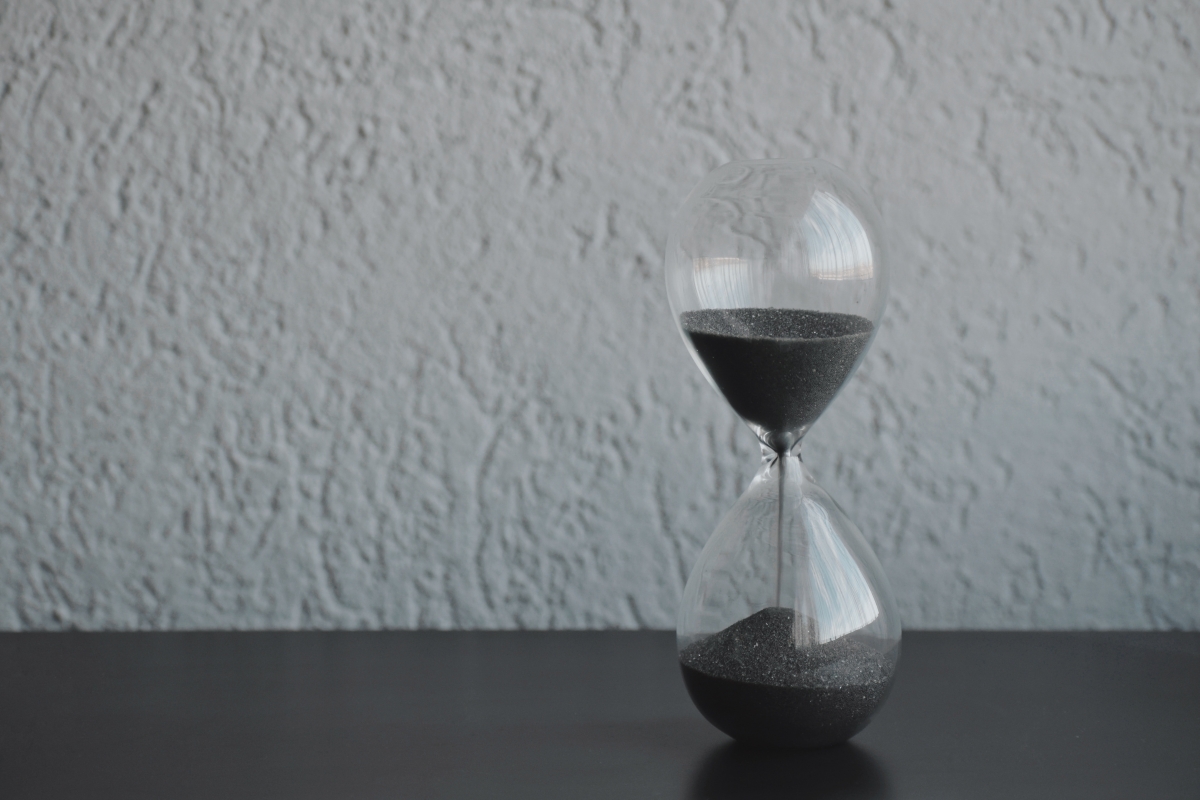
(777,367)
(751,681)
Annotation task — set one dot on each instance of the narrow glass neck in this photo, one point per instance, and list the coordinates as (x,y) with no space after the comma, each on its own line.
(770,453)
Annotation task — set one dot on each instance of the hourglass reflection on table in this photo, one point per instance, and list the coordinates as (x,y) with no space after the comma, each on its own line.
(788,632)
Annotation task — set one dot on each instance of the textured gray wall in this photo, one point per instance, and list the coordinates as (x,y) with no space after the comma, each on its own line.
(352,315)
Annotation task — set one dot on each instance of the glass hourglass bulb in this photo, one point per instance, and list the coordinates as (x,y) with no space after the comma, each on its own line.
(788,633)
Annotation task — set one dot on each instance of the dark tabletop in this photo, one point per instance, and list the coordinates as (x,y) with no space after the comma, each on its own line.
(576,715)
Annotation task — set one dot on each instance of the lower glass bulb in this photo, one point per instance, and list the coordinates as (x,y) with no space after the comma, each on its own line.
(788,632)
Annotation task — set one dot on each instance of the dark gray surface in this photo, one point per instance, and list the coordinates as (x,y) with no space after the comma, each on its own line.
(575,715)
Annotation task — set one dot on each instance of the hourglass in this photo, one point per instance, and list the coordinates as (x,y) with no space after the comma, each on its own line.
(788,633)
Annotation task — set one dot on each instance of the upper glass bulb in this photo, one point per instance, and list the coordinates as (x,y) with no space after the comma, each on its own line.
(776,276)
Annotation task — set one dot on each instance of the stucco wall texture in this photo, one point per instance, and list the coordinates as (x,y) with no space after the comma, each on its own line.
(352,314)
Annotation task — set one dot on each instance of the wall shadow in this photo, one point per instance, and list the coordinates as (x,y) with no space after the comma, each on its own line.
(733,770)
